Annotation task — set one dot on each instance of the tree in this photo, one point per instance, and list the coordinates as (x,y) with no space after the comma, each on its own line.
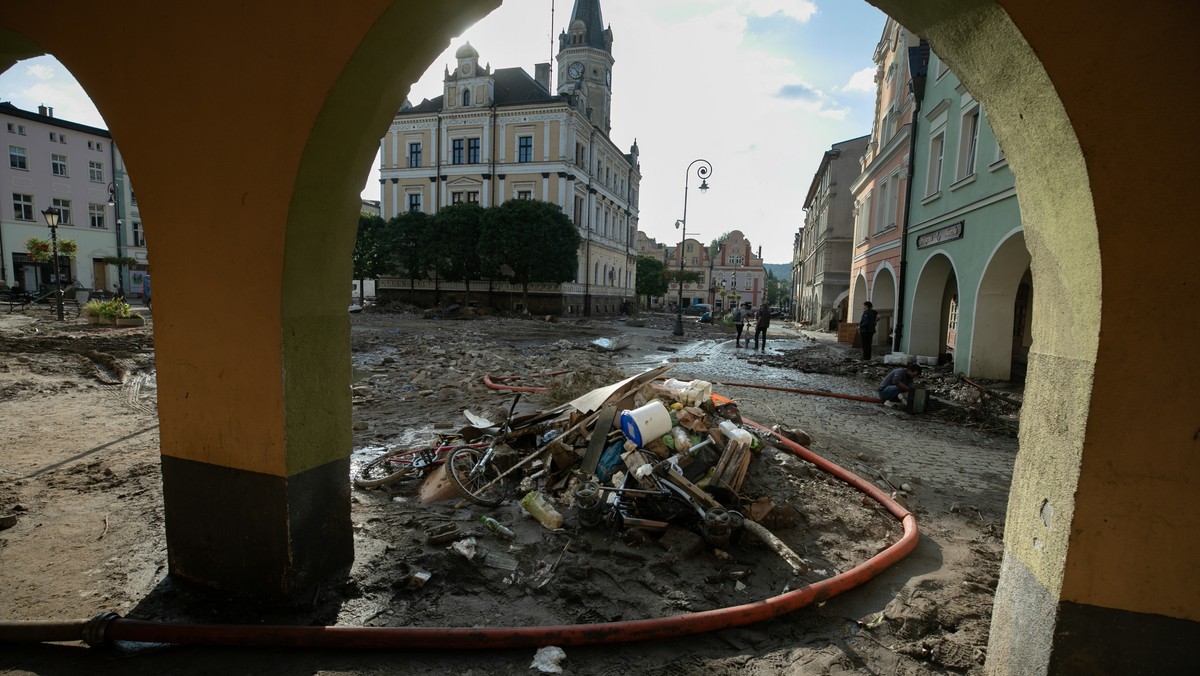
(458,227)
(775,289)
(370,257)
(650,278)
(529,241)
(406,247)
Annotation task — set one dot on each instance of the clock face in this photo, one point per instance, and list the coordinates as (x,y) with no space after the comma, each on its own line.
(608,76)
(575,70)
(466,69)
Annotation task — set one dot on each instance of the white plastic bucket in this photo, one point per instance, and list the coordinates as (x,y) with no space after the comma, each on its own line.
(645,424)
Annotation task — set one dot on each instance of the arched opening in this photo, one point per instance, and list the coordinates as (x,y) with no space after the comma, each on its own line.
(934,305)
(1078,580)
(884,294)
(1003,322)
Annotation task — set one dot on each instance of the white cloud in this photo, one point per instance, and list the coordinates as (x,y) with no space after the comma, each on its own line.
(800,10)
(861,81)
(41,71)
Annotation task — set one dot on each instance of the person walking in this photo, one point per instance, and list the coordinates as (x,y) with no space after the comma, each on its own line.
(762,320)
(146,288)
(866,328)
(739,323)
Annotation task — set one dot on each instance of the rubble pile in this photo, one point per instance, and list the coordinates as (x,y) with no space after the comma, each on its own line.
(640,482)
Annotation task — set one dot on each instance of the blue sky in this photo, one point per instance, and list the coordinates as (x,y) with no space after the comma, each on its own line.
(759,88)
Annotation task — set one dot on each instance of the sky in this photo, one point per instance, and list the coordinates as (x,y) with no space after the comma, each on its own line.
(758,88)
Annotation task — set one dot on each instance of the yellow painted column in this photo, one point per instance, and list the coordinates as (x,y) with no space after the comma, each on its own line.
(248,129)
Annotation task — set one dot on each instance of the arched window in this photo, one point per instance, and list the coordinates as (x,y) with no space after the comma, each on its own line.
(466,97)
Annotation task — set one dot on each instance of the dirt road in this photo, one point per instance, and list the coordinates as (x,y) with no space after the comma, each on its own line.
(80,474)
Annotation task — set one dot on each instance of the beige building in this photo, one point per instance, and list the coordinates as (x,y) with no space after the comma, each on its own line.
(824,244)
(496,135)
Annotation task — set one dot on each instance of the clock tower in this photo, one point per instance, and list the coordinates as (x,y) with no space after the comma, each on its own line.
(585,62)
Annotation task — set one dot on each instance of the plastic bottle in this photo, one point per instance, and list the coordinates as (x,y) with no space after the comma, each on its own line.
(496,527)
(539,508)
(735,433)
(682,440)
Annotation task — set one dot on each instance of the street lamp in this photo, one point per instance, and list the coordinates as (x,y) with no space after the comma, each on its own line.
(113,202)
(703,172)
(51,216)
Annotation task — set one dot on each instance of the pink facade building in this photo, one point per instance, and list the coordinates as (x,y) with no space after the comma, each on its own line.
(880,190)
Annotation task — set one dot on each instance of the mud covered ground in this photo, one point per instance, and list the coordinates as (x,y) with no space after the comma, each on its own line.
(80,477)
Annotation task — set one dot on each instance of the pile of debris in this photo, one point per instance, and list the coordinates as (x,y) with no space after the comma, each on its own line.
(642,455)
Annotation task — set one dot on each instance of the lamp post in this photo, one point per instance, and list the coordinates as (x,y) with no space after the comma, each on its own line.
(703,172)
(51,216)
(113,202)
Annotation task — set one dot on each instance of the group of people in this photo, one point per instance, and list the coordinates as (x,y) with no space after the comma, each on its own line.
(762,321)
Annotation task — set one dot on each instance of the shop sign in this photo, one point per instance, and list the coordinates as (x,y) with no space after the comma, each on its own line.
(949,233)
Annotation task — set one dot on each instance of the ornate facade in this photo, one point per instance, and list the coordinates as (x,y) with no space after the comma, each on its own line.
(496,135)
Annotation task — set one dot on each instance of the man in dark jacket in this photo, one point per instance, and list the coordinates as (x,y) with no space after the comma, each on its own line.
(762,321)
(866,328)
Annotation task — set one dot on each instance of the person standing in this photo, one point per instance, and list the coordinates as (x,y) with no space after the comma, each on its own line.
(762,320)
(866,328)
(739,323)
(146,288)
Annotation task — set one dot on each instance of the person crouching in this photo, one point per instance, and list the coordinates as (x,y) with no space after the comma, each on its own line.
(897,383)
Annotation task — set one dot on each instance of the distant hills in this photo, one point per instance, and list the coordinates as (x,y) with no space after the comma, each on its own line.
(780,270)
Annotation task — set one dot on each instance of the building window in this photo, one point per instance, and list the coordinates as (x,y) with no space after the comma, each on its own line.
(524,194)
(524,148)
(96,172)
(466,97)
(12,128)
(22,207)
(96,215)
(17,158)
(53,137)
(933,182)
(99,145)
(20,130)
(473,196)
(414,201)
(456,151)
(62,138)
(968,143)
(58,164)
(473,151)
(862,218)
(64,210)
(138,238)
(456,198)
(414,154)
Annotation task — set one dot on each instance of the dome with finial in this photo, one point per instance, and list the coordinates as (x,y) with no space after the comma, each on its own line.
(466,52)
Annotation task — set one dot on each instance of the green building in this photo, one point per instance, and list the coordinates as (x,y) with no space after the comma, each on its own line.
(967,284)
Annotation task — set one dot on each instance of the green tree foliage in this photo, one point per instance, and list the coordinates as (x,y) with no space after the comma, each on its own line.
(457,228)
(775,289)
(411,248)
(529,241)
(651,280)
(369,251)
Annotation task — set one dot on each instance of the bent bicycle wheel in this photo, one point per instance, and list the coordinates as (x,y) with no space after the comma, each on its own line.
(471,477)
(391,467)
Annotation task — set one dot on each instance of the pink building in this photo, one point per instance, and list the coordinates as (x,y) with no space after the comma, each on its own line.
(880,190)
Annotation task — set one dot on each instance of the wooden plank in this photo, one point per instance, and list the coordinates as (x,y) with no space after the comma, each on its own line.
(730,470)
(693,491)
(599,440)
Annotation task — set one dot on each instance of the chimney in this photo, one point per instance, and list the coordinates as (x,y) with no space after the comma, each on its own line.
(50,111)
(541,73)
(41,110)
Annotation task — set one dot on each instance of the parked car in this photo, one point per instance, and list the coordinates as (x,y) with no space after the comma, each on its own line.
(697,309)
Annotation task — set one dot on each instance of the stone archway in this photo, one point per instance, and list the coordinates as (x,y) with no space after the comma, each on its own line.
(883,295)
(927,328)
(1085,585)
(995,302)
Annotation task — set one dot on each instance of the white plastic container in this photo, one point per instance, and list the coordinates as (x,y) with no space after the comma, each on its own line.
(689,393)
(647,423)
(735,433)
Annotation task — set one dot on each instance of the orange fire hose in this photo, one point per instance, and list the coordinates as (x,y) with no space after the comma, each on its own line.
(110,627)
